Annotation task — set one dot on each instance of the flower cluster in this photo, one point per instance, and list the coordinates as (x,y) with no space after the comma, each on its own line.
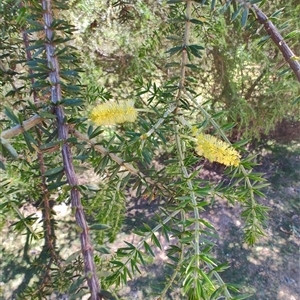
(216,150)
(111,113)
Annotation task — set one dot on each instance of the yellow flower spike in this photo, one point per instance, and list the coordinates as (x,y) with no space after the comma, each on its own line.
(111,113)
(216,150)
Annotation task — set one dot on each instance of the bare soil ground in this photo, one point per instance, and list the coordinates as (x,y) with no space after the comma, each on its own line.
(269,270)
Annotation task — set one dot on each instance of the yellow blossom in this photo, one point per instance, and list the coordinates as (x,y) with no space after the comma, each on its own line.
(216,150)
(111,113)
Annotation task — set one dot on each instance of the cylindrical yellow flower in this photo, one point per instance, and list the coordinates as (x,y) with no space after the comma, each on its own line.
(216,150)
(112,113)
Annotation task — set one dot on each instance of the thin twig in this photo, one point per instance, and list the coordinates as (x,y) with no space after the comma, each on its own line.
(105,152)
(254,84)
(159,122)
(20,128)
(186,175)
(129,167)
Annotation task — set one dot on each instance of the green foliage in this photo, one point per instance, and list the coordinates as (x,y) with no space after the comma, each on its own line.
(186,65)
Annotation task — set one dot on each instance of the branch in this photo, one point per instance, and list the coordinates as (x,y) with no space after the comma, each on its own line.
(16,130)
(129,167)
(20,128)
(171,108)
(36,119)
(288,54)
(105,152)
(254,84)
(63,133)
